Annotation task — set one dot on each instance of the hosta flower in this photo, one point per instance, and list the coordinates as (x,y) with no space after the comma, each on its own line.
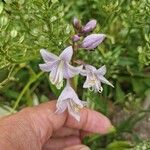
(68,99)
(59,66)
(89,26)
(92,41)
(94,78)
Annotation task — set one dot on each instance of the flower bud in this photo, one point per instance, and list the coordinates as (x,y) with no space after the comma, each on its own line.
(92,41)
(89,26)
(75,38)
(76,23)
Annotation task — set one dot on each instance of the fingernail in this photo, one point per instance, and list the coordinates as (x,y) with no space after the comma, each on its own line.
(85,148)
(112,129)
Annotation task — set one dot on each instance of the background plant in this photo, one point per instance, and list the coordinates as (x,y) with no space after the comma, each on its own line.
(27,26)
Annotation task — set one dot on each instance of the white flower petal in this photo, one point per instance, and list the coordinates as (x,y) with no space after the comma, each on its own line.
(67,53)
(56,75)
(61,106)
(102,70)
(90,68)
(83,72)
(70,71)
(104,80)
(87,83)
(47,67)
(73,113)
(47,56)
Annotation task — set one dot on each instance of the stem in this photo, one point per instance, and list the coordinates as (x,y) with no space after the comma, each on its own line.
(33,79)
(72,82)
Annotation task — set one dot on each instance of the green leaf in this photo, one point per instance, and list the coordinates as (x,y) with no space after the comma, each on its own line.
(1,7)
(119,145)
(120,95)
(138,85)
(55,90)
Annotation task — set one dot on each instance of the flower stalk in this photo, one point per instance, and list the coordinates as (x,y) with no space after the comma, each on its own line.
(63,67)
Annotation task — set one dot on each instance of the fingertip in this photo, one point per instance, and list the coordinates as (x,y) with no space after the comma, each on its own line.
(90,121)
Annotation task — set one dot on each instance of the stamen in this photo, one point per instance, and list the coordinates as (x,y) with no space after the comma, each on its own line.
(100,90)
(59,85)
(74,106)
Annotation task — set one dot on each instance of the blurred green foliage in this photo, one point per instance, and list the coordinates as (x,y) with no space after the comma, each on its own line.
(26,26)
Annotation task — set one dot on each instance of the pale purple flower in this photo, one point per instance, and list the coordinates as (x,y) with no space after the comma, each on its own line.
(68,99)
(90,26)
(94,78)
(92,41)
(75,38)
(59,66)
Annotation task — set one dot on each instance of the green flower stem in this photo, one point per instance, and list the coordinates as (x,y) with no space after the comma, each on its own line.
(72,81)
(32,80)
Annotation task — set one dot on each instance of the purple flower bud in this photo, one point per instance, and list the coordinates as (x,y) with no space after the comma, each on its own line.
(75,38)
(76,23)
(92,41)
(89,26)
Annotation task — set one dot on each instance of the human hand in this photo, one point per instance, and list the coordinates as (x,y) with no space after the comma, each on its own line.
(39,128)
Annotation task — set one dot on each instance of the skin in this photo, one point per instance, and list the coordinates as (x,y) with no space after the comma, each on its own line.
(41,129)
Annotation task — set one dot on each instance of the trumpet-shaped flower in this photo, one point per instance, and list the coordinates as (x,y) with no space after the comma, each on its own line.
(94,78)
(59,66)
(68,99)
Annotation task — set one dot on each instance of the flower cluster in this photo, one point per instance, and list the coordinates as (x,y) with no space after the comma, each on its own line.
(60,68)
(91,41)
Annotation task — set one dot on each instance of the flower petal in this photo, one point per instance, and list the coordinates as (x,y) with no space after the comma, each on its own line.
(87,83)
(61,106)
(83,72)
(90,68)
(67,53)
(69,93)
(73,113)
(70,71)
(47,56)
(56,75)
(47,67)
(102,70)
(104,80)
